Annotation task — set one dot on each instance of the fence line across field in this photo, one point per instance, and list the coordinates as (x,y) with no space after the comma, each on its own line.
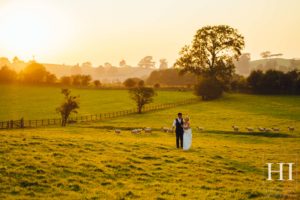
(21,123)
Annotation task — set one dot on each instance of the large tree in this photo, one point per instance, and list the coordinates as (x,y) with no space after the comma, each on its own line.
(212,52)
(142,96)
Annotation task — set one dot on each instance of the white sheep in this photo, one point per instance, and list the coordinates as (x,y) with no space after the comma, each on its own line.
(250,129)
(235,128)
(134,131)
(148,130)
(268,130)
(200,128)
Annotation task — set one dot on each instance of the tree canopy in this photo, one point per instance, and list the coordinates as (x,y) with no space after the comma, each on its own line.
(212,52)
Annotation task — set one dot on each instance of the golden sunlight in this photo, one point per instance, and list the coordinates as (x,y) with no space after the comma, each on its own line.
(29,31)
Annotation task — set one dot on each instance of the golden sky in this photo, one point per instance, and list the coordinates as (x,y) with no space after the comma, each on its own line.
(75,31)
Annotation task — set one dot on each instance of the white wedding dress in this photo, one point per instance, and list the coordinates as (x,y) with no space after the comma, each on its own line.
(187,139)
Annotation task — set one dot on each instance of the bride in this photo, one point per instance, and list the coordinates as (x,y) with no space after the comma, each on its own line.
(187,136)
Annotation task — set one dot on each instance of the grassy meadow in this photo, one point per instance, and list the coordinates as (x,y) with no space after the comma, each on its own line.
(91,161)
(35,102)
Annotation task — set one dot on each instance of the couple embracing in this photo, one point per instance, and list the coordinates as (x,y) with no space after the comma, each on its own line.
(183,132)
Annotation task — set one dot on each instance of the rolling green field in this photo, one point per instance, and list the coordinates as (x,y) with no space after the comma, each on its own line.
(31,102)
(90,161)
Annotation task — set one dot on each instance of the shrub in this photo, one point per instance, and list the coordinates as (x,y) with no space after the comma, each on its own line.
(209,88)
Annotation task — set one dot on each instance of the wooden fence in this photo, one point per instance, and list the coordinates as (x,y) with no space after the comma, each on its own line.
(21,123)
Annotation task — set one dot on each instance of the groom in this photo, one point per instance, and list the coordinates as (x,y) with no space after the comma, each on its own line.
(178,124)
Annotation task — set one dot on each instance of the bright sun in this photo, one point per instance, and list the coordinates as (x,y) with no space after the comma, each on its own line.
(25,34)
(28,31)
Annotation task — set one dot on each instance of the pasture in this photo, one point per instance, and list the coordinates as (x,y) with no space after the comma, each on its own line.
(34,102)
(90,161)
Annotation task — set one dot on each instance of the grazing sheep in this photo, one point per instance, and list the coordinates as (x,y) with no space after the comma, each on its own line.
(250,129)
(118,131)
(135,131)
(166,130)
(200,128)
(291,129)
(268,130)
(169,130)
(261,129)
(148,130)
(235,128)
(276,129)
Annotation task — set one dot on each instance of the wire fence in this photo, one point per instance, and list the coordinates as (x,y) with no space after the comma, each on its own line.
(21,123)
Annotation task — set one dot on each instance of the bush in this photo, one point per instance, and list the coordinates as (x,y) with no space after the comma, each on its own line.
(274,82)
(156,85)
(209,88)
(132,82)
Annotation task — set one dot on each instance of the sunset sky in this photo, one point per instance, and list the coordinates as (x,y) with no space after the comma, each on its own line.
(101,31)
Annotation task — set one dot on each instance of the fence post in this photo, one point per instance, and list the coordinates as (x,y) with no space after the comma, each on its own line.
(22,123)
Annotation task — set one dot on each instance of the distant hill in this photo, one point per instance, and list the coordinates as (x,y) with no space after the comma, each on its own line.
(106,74)
(275,63)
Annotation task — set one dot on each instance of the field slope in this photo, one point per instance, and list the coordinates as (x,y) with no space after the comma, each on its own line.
(90,161)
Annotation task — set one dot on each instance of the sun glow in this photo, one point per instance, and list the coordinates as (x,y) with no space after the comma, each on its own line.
(32,31)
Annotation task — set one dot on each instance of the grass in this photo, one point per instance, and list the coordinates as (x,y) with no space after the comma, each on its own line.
(90,161)
(33,102)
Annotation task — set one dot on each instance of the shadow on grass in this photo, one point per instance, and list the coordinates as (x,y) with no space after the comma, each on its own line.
(261,134)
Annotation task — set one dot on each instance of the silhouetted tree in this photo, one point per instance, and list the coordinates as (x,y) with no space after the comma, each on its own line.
(69,105)
(156,85)
(146,62)
(208,88)
(171,77)
(274,82)
(212,54)
(254,80)
(142,96)
(7,75)
(265,54)
(243,64)
(66,80)
(50,78)
(97,83)
(122,63)
(4,61)
(16,60)
(76,80)
(131,82)
(163,64)
(35,73)
(85,80)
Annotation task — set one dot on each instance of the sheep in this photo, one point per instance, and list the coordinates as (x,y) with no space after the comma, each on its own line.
(169,130)
(268,130)
(166,130)
(275,129)
(291,129)
(118,131)
(250,129)
(135,131)
(200,128)
(235,128)
(261,129)
(148,130)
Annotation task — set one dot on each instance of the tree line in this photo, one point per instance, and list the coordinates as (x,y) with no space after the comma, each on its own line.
(35,73)
(274,82)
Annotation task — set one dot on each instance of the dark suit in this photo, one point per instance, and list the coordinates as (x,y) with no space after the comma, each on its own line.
(179,132)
